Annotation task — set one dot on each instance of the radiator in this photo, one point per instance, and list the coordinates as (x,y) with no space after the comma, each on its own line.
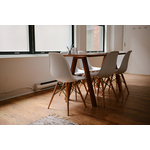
(44,85)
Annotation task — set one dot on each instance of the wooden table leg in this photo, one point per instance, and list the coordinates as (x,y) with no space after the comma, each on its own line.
(89,82)
(103,60)
(73,67)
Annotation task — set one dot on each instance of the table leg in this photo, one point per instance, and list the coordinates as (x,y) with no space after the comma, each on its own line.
(73,67)
(103,60)
(89,82)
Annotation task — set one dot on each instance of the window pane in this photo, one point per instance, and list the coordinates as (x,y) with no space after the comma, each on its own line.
(13,38)
(94,38)
(52,37)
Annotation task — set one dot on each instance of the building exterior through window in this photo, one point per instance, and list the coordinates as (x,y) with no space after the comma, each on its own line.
(95,38)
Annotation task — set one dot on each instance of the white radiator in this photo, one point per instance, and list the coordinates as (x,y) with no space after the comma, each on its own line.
(44,85)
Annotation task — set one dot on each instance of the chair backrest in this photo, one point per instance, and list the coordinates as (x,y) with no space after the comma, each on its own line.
(124,63)
(59,68)
(81,64)
(109,64)
(69,60)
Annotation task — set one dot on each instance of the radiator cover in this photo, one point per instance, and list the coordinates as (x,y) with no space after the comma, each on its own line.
(44,85)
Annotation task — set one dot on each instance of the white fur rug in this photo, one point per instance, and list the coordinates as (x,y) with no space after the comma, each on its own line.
(51,120)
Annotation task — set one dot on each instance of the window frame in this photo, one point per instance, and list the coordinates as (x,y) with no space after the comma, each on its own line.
(31,41)
(103,41)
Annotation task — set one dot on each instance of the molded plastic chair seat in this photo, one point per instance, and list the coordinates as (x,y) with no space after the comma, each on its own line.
(69,60)
(60,71)
(94,74)
(79,78)
(91,68)
(122,69)
(94,68)
(79,71)
(124,63)
(106,71)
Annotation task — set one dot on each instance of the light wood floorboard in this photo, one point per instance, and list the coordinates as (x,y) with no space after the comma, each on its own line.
(133,110)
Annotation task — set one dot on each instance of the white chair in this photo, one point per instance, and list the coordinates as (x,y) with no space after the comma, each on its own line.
(121,69)
(106,71)
(78,72)
(69,60)
(91,68)
(60,71)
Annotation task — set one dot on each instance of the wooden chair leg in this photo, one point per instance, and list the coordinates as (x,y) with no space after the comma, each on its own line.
(121,89)
(106,82)
(81,96)
(94,85)
(75,90)
(53,95)
(83,82)
(102,83)
(111,78)
(61,89)
(98,81)
(86,94)
(125,83)
(113,88)
(98,84)
(68,86)
(118,81)
(67,95)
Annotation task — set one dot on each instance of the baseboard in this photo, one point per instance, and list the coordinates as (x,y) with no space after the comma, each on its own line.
(137,74)
(17,95)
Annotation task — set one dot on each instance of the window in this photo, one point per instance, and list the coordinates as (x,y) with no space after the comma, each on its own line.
(14,38)
(21,39)
(95,35)
(52,37)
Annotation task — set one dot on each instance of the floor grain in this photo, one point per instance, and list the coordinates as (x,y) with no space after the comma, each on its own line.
(133,110)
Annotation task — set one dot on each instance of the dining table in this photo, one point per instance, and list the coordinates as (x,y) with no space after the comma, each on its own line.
(83,57)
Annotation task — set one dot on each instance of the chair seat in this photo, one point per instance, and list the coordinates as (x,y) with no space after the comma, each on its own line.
(94,74)
(124,64)
(116,70)
(106,71)
(69,60)
(91,68)
(79,78)
(94,68)
(121,69)
(79,72)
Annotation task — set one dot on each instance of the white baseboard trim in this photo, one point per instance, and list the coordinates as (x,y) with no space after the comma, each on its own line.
(17,95)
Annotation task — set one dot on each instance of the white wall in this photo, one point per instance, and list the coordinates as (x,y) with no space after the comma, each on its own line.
(137,38)
(81,37)
(114,38)
(22,72)
(110,38)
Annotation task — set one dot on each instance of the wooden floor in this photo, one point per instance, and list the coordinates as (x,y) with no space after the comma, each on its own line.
(133,110)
